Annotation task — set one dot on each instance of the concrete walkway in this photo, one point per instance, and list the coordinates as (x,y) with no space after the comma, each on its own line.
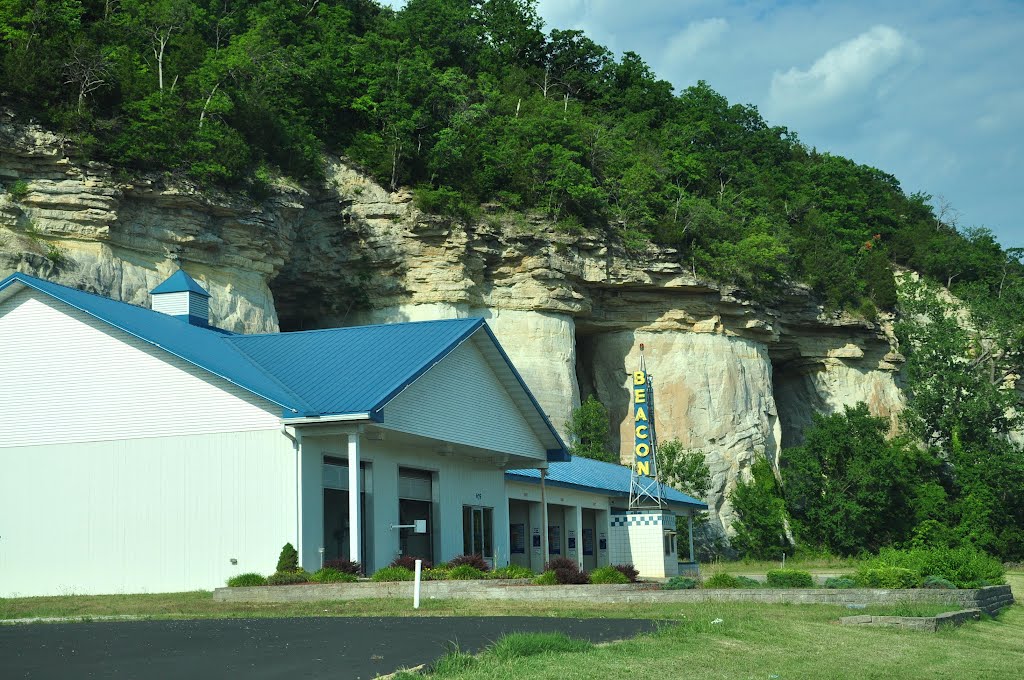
(350,648)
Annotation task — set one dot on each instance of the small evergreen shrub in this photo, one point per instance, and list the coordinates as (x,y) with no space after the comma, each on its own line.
(475,561)
(512,571)
(567,571)
(332,575)
(393,574)
(608,575)
(938,583)
(288,578)
(723,580)
(887,577)
(409,562)
(679,583)
(790,578)
(347,566)
(548,578)
(840,583)
(247,580)
(747,582)
(629,571)
(465,572)
(288,559)
(18,190)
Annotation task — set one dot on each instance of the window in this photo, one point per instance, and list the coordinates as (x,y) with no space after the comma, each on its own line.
(477,531)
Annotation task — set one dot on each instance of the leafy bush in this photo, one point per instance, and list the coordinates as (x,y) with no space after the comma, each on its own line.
(789,578)
(608,575)
(247,580)
(761,515)
(629,571)
(679,583)
(435,574)
(393,573)
(965,567)
(465,572)
(548,578)
(938,583)
(567,571)
(332,575)
(747,582)
(288,560)
(18,190)
(840,583)
(723,580)
(512,571)
(287,578)
(887,577)
(475,561)
(347,566)
(409,562)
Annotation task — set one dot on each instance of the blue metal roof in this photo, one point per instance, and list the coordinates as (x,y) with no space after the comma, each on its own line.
(357,369)
(340,371)
(180,282)
(596,476)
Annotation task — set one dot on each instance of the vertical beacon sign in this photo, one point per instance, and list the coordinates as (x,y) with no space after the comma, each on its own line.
(643,427)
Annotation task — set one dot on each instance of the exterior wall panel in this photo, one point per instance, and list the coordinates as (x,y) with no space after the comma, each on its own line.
(461,400)
(146,515)
(71,378)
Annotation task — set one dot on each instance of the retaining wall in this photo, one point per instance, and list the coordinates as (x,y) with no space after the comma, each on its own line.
(990,600)
(926,623)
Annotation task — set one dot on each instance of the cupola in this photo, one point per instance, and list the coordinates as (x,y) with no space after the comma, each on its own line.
(181,297)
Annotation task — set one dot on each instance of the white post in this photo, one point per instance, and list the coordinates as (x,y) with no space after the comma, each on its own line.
(416,585)
(354,487)
(544,517)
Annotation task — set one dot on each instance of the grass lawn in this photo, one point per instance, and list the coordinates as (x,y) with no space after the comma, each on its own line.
(751,641)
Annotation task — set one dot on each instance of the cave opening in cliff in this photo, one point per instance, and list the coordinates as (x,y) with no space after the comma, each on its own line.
(796,399)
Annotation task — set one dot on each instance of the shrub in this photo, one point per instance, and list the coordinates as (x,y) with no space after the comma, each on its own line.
(347,566)
(288,560)
(567,571)
(723,580)
(512,571)
(789,578)
(465,572)
(247,580)
(332,575)
(608,575)
(965,567)
(475,561)
(679,583)
(434,574)
(747,582)
(18,190)
(393,574)
(548,578)
(938,583)
(840,583)
(887,577)
(409,562)
(629,571)
(287,578)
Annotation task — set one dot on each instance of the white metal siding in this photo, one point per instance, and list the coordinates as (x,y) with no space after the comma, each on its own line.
(69,378)
(461,400)
(175,304)
(148,515)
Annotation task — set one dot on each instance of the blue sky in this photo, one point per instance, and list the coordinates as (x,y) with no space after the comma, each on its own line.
(932,92)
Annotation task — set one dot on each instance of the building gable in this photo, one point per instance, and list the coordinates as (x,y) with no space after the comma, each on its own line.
(70,378)
(462,400)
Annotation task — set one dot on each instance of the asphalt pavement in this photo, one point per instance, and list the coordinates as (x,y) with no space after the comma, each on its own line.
(335,647)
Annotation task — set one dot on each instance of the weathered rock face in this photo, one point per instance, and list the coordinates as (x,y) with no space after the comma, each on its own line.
(734,379)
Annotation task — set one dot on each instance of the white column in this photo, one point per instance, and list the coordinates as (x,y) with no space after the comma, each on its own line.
(355,520)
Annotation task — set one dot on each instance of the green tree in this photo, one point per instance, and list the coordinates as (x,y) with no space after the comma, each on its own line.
(683,469)
(760,524)
(589,428)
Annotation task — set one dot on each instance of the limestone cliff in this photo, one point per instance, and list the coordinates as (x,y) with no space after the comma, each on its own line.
(735,379)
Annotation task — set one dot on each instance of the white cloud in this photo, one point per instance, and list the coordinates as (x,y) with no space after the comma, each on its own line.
(692,40)
(850,69)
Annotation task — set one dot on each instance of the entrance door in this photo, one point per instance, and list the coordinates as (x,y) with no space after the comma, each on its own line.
(478,531)
(415,501)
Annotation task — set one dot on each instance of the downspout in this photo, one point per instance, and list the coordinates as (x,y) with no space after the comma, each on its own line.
(298,487)
(544,515)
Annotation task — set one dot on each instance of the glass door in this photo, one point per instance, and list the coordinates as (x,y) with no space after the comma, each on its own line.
(477,531)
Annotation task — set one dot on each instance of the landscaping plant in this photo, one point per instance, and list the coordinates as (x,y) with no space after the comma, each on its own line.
(393,573)
(887,577)
(347,566)
(332,575)
(247,580)
(409,562)
(790,578)
(512,571)
(629,571)
(465,572)
(287,578)
(288,559)
(840,583)
(548,578)
(723,580)
(965,567)
(679,583)
(567,571)
(608,574)
(475,561)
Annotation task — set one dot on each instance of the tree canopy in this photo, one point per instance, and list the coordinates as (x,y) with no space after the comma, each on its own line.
(470,101)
